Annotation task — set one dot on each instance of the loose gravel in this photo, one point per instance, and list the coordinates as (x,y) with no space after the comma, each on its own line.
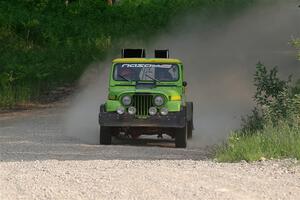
(39,162)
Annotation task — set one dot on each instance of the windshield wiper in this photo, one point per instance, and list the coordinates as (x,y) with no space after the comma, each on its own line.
(153,79)
(125,78)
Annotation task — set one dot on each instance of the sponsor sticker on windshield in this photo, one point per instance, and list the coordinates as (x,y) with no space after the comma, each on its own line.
(141,65)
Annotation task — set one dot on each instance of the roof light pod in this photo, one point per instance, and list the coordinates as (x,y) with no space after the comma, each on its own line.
(161,53)
(133,53)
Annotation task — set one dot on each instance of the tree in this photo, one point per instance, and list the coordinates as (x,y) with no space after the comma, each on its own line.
(110,2)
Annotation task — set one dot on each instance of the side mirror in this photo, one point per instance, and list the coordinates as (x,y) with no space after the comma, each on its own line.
(184,84)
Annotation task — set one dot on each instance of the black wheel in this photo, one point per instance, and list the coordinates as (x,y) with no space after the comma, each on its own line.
(190,128)
(189,116)
(181,137)
(105,135)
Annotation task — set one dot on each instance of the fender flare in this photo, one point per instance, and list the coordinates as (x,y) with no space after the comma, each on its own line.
(102,108)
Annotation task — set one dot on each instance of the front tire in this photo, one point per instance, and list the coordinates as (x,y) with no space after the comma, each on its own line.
(181,137)
(190,128)
(105,135)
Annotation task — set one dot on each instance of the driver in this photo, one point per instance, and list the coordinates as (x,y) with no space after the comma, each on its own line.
(128,73)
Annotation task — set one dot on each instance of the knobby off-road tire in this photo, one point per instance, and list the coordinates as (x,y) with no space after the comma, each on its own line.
(181,137)
(105,135)
(190,129)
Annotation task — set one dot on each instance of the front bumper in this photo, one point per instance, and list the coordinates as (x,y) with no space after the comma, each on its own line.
(172,120)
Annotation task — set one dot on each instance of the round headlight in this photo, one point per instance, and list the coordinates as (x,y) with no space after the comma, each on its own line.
(164,111)
(131,110)
(126,100)
(159,101)
(121,110)
(152,111)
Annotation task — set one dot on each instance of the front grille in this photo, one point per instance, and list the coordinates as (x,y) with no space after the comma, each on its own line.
(142,102)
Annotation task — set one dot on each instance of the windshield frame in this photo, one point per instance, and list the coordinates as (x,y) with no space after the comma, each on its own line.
(160,81)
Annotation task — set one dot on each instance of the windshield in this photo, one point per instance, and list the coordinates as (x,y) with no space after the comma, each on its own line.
(146,72)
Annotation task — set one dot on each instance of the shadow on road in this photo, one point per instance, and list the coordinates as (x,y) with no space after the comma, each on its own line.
(29,149)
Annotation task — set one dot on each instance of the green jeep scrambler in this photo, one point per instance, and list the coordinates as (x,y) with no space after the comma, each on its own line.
(146,96)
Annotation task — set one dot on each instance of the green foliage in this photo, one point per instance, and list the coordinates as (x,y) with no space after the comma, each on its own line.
(273,99)
(272,141)
(273,129)
(296,88)
(44,44)
(268,85)
(296,44)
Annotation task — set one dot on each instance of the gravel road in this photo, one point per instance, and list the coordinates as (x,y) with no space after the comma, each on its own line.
(39,162)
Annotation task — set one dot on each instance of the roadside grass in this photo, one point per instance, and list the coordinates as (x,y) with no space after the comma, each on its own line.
(18,95)
(282,141)
(272,131)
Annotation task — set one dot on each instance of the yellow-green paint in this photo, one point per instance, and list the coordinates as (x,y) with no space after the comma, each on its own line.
(147,60)
(174,95)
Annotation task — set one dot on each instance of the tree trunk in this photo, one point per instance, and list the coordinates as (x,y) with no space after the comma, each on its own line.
(110,2)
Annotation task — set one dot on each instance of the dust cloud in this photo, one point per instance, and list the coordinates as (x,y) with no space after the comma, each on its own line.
(81,120)
(219,59)
(220,62)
